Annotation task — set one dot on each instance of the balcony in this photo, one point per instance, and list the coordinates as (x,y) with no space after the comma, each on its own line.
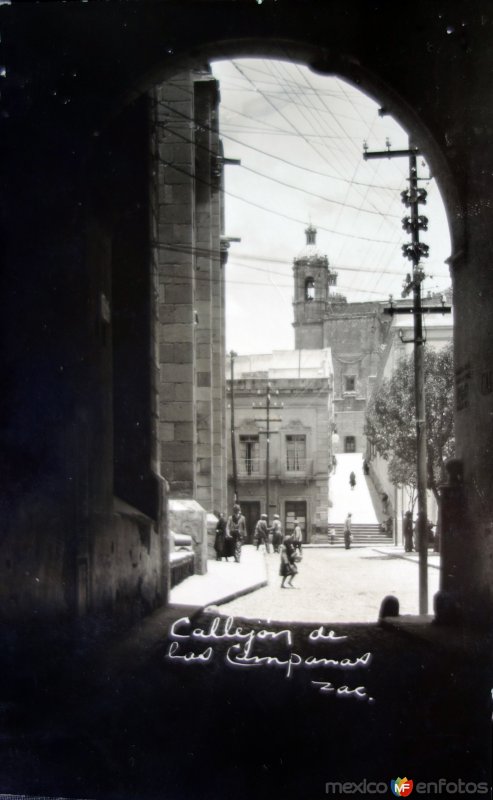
(299,468)
(251,467)
(254,469)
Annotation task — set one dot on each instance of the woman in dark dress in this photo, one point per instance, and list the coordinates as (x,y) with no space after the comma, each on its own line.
(220,540)
(407,531)
(288,568)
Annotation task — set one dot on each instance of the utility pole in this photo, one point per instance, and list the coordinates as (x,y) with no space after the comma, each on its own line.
(415,251)
(232,356)
(268,419)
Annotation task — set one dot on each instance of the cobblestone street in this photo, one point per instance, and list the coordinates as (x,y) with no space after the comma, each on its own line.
(339,585)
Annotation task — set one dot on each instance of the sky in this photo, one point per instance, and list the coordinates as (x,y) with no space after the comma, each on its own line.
(300,139)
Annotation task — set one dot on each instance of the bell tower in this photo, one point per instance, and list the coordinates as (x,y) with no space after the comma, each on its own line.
(312,279)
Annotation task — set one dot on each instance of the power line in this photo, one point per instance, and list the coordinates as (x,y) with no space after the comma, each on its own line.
(344,131)
(276,213)
(314,194)
(273,129)
(278,285)
(277,180)
(282,160)
(211,253)
(249,131)
(300,99)
(346,135)
(261,72)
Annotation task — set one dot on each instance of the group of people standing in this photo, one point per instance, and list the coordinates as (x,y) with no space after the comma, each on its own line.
(289,546)
(264,536)
(231,534)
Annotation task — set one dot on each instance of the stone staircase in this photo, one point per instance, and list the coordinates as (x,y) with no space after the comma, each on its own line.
(363,535)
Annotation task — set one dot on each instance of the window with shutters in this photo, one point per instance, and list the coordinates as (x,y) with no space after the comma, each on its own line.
(295,452)
(249,461)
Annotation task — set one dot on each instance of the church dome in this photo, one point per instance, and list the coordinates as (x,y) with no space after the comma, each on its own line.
(310,251)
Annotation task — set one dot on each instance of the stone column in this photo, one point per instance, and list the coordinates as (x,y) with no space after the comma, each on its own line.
(205,91)
(176,244)
(449,600)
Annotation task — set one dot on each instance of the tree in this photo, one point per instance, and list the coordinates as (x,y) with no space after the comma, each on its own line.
(391,418)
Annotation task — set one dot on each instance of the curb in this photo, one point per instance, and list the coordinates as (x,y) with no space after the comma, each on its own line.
(405,557)
(324,546)
(238,593)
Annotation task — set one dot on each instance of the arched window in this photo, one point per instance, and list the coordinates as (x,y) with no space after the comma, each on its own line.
(310,289)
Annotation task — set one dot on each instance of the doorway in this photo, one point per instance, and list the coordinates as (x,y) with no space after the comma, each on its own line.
(295,509)
(251,511)
(349,444)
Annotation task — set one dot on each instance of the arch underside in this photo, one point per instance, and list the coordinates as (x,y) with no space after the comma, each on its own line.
(426,74)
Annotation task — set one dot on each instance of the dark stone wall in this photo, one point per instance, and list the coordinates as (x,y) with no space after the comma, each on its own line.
(76,416)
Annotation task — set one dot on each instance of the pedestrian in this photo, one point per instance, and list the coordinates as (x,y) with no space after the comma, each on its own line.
(288,568)
(385,503)
(261,534)
(352,480)
(276,531)
(366,467)
(297,536)
(220,540)
(407,531)
(347,532)
(332,535)
(236,528)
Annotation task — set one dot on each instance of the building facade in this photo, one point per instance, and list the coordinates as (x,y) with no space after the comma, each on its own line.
(284,468)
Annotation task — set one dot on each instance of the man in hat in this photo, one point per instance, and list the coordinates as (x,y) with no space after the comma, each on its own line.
(297,536)
(236,529)
(276,533)
(261,534)
(407,531)
(347,532)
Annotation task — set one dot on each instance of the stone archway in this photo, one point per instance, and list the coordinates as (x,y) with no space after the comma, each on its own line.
(61,98)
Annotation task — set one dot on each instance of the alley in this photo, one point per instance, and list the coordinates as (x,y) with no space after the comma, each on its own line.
(338,585)
(344,499)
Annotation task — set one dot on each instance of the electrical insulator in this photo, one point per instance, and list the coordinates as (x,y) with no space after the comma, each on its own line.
(407,286)
(419,224)
(415,250)
(410,197)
